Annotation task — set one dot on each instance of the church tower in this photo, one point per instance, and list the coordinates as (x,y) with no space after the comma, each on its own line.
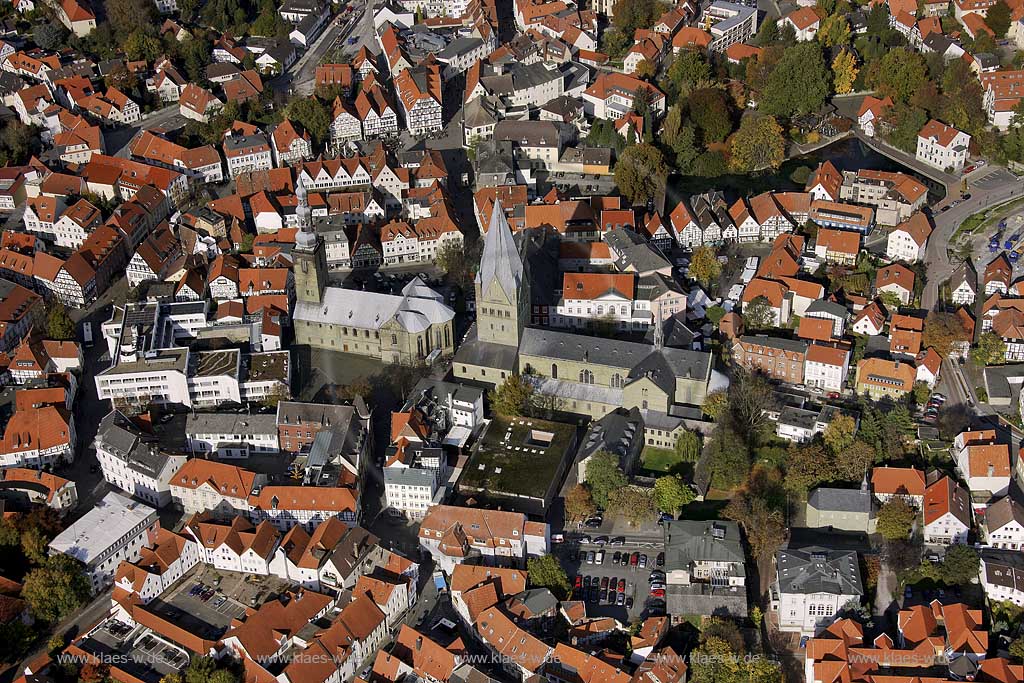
(310,259)
(502,293)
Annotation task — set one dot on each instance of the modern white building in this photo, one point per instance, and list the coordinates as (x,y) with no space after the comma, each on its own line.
(133,461)
(943,147)
(231,435)
(114,530)
(812,585)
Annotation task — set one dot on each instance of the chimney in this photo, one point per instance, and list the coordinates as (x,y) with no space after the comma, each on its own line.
(419,643)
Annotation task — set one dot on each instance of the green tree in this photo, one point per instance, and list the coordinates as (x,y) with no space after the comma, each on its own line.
(196,55)
(852,463)
(58,323)
(991,350)
(629,15)
(603,476)
(757,314)
(313,115)
(141,45)
(716,404)
(998,18)
(728,458)
(689,70)
(762,522)
(513,397)
(1017,649)
(710,113)
(56,589)
(807,466)
(844,72)
(839,433)
(834,31)
(960,565)
(715,662)
(798,84)
(688,446)
(899,74)
(579,504)
(710,164)
(906,122)
(615,42)
(49,35)
(671,494)
(634,503)
(34,544)
(758,144)
(767,33)
(680,137)
(640,173)
(704,265)
(200,669)
(921,393)
(459,263)
(128,16)
(896,519)
(546,572)
(268,24)
(17,142)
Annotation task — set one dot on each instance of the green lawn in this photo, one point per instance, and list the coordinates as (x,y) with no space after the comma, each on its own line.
(660,459)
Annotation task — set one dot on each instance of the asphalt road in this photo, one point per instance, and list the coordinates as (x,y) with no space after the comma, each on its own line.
(946,222)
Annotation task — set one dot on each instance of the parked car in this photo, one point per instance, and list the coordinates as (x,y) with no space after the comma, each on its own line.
(590,557)
(604,582)
(634,559)
(625,559)
(622,585)
(657,575)
(618,540)
(599,559)
(657,587)
(620,599)
(643,562)
(601,540)
(579,582)
(660,560)
(616,557)
(629,602)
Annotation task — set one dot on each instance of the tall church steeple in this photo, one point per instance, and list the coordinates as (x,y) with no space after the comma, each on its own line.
(502,293)
(309,257)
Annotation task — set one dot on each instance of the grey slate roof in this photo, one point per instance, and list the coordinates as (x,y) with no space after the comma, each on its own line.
(118,436)
(500,260)
(840,500)
(818,570)
(615,433)
(798,417)
(688,541)
(230,423)
(615,353)
(829,307)
(794,345)
(409,476)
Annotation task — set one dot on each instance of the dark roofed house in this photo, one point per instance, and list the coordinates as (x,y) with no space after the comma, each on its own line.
(704,568)
(841,509)
(812,585)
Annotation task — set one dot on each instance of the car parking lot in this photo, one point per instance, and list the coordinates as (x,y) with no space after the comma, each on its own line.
(614,575)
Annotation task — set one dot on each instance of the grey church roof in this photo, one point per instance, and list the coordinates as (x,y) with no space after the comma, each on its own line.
(840,500)
(500,259)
